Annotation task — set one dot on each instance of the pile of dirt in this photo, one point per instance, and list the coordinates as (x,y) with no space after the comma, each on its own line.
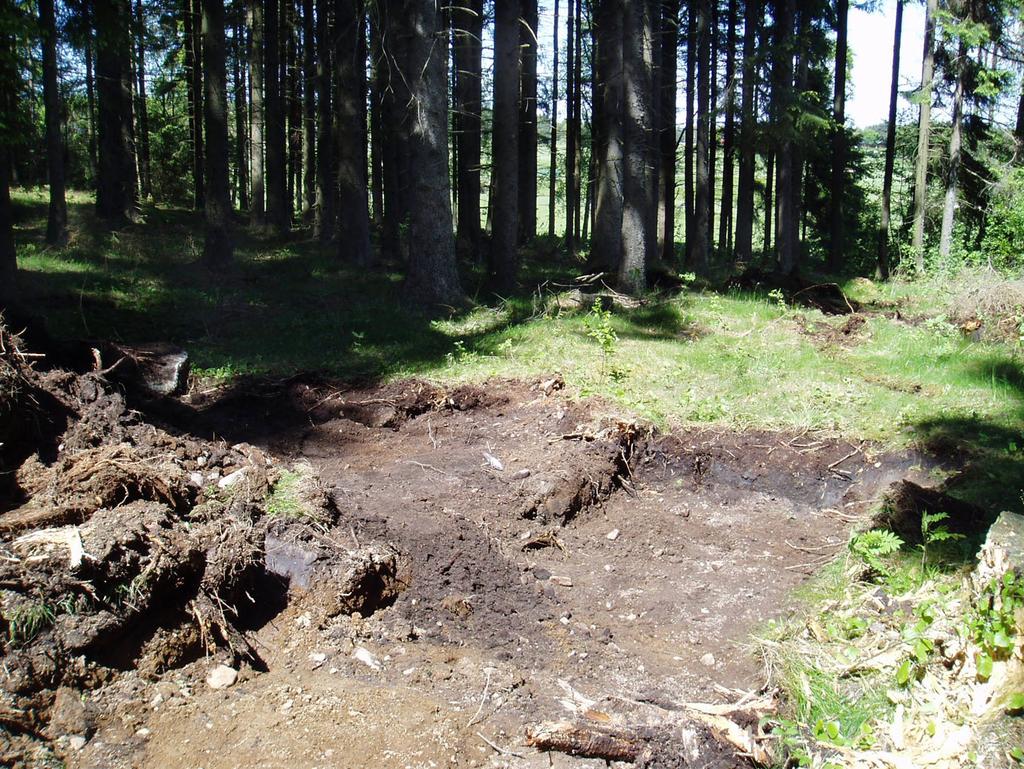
(123,544)
(990,309)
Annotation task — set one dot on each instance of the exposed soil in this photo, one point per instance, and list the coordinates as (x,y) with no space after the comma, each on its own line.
(465,559)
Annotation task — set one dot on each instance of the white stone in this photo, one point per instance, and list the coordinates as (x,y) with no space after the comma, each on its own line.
(367,657)
(76,742)
(230,480)
(708,660)
(612,535)
(221,677)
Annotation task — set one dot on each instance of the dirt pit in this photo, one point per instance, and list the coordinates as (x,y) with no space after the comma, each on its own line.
(434,571)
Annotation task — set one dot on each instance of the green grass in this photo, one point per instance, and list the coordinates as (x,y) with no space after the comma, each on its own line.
(736,360)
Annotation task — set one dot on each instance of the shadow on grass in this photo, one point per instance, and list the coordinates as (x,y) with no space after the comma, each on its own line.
(993,454)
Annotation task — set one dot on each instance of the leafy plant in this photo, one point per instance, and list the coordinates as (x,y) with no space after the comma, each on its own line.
(934,532)
(873,545)
(599,328)
(992,623)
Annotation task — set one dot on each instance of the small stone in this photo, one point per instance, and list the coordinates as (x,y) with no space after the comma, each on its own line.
(519,475)
(230,480)
(143,733)
(197,479)
(541,573)
(367,657)
(561,581)
(221,677)
(708,660)
(612,535)
(318,659)
(76,742)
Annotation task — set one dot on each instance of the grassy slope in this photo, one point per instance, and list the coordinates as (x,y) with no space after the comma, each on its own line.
(737,360)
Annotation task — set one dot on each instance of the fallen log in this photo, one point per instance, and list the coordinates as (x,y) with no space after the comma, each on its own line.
(586,740)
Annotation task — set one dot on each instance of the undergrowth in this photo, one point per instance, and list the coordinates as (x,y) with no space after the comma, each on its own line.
(887,652)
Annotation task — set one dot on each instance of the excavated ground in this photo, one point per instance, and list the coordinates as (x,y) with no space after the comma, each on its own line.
(521,543)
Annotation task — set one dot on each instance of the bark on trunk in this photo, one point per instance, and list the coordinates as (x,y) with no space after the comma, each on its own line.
(553,162)
(376,127)
(691,91)
(194,86)
(353,208)
(57,219)
(924,122)
(606,244)
(955,145)
(700,256)
(782,90)
(257,209)
(669,55)
(528,123)
(278,217)
(217,248)
(639,213)
(90,100)
(725,221)
(324,218)
(8,101)
(505,146)
(882,271)
(748,129)
(432,278)
(145,176)
(467,19)
(570,133)
(308,111)
(767,247)
(241,112)
(115,188)
(835,252)
(396,31)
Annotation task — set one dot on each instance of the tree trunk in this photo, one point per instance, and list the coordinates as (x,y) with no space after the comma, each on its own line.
(505,146)
(640,202)
(257,207)
(217,248)
(278,211)
(291,81)
(786,219)
(9,74)
(432,277)
(115,188)
(353,209)
(241,112)
(606,244)
(395,100)
(729,136)
(669,54)
(1018,130)
(145,177)
(325,216)
(194,77)
(528,123)
(882,271)
(691,91)
(769,203)
(955,145)
(90,101)
(57,219)
(570,133)
(376,127)
(577,126)
(468,19)
(553,162)
(837,191)
(700,256)
(308,111)
(713,124)
(924,122)
(748,129)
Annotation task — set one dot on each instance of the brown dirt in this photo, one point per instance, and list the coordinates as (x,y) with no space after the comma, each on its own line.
(474,550)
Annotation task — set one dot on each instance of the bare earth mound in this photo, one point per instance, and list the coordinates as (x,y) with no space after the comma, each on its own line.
(305,574)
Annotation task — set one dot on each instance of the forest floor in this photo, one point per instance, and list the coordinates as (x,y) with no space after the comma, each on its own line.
(557,518)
